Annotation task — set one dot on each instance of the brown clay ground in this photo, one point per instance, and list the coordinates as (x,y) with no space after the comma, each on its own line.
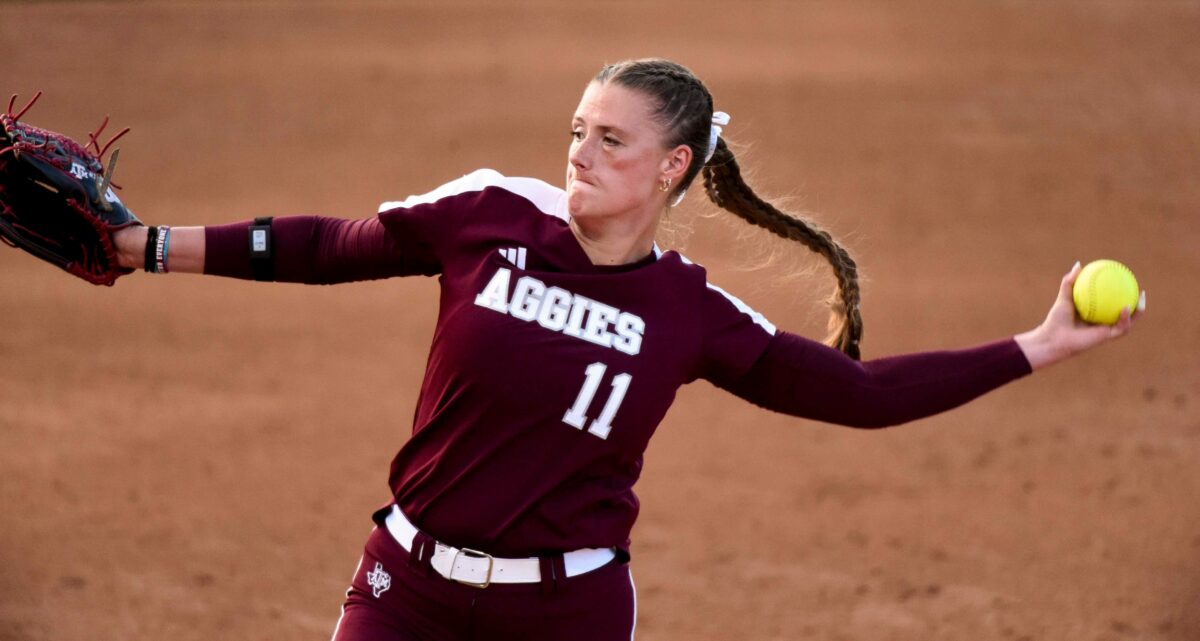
(189,458)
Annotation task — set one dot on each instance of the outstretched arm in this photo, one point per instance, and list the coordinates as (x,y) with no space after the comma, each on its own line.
(307,249)
(804,378)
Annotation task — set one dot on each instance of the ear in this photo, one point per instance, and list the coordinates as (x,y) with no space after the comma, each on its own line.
(676,162)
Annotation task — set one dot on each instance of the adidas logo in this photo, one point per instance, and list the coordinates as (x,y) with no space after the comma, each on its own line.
(514,255)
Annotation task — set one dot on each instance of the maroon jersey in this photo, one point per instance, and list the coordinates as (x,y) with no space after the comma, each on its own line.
(547,374)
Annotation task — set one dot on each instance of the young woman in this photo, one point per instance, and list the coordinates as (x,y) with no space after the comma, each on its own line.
(563,335)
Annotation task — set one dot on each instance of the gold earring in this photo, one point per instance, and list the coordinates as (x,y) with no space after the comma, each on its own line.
(665,185)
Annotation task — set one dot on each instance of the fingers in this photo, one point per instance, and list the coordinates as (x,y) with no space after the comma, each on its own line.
(1068,280)
(1123,325)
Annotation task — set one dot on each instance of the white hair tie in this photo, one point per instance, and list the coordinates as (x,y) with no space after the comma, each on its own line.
(719,120)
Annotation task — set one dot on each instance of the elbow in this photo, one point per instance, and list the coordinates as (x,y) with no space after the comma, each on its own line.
(863,416)
(872,414)
(872,404)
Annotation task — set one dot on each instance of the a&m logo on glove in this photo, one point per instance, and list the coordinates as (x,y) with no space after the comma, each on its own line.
(82,173)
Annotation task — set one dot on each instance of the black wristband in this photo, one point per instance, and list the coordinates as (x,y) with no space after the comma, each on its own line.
(151,247)
(261,257)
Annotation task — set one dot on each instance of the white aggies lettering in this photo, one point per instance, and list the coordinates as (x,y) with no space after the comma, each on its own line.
(559,310)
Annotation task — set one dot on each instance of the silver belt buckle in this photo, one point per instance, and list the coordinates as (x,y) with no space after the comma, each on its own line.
(478,555)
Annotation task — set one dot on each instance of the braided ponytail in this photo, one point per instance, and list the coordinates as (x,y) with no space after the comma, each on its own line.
(725,188)
(685,110)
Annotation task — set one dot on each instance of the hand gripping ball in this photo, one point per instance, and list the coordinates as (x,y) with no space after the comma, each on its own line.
(1102,289)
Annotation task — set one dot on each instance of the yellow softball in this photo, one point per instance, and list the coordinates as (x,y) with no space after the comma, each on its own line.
(1102,290)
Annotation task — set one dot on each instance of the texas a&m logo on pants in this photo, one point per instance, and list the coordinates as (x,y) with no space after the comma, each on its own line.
(379,580)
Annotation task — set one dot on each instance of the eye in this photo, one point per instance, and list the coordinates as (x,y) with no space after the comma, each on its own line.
(576,134)
(609,140)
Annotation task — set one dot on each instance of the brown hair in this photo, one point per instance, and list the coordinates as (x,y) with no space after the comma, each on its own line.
(685,110)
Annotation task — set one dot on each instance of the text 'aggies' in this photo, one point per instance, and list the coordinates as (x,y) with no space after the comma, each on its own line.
(559,310)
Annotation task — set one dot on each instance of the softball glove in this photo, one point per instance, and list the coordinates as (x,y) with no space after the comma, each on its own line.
(57,200)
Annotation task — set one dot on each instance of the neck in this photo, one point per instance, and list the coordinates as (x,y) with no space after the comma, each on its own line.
(613,241)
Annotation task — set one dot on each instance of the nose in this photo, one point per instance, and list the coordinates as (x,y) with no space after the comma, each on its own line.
(580,155)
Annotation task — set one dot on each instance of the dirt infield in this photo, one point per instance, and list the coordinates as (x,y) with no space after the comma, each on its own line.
(195,458)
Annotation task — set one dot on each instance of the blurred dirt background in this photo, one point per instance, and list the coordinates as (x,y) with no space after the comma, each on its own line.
(196,458)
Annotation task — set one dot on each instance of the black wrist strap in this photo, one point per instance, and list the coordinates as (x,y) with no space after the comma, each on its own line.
(151,245)
(262,259)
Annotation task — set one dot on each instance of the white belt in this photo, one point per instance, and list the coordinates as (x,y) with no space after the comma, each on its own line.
(480,569)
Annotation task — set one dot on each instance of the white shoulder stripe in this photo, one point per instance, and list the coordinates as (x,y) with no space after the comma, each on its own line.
(547,198)
(758,318)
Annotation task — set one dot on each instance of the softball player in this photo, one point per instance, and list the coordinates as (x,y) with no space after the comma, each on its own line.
(562,337)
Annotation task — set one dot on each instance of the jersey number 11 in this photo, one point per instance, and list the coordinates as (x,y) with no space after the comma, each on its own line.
(601,425)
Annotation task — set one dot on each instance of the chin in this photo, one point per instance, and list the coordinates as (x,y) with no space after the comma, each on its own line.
(579,202)
(578,207)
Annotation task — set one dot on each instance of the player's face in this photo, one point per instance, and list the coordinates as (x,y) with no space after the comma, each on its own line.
(617,157)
